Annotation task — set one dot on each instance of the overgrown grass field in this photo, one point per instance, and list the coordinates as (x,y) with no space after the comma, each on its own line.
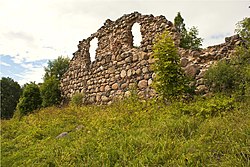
(206,132)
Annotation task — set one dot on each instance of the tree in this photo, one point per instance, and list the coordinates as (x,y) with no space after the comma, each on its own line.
(50,92)
(242,56)
(170,82)
(189,39)
(50,89)
(30,99)
(10,93)
(56,68)
(179,23)
(243,29)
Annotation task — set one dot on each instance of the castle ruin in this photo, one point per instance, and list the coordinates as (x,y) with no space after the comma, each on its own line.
(120,66)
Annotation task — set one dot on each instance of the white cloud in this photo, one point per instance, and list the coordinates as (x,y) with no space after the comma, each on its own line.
(28,26)
(31,75)
(4,64)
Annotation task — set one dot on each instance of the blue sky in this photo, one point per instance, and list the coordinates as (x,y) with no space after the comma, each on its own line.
(22,72)
(33,32)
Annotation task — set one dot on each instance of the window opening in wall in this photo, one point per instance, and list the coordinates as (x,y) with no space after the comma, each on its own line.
(137,37)
(92,49)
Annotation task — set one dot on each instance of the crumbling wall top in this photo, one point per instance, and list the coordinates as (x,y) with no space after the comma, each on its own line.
(115,37)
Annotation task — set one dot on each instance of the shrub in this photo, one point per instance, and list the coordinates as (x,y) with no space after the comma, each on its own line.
(213,106)
(170,82)
(221,77)
(77,99)
(30,99)
(50,92)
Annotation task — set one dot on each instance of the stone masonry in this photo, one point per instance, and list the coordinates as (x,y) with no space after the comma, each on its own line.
(119,66)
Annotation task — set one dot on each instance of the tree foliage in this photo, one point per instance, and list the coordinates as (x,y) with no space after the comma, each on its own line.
(10,93)
(231,76)
(56,68)
(30,99)
(243,29)
(221,77)
(50,91)
(170,81)
(179,23)
(189,39)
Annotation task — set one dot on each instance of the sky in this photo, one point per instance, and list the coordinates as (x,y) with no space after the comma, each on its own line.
(32,32)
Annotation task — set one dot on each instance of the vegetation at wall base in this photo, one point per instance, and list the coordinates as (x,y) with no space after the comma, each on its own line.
(50,92)
(77,99)
(212,131)
(50,88)
(170,82)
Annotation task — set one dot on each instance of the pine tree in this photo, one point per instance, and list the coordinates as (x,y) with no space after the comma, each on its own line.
(189,39)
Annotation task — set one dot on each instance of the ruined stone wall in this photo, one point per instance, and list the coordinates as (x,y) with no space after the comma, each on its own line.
(196,63)
(119,66)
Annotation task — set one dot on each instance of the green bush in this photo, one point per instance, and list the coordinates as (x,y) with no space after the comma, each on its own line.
(213,106)
(221,77)
(170,82)
(50,91)
(77,99)
(231,76)
(30,99)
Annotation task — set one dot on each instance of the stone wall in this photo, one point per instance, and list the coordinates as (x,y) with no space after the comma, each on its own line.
(119,66)
(196,63)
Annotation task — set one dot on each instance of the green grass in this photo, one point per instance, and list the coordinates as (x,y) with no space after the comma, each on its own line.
(205,132)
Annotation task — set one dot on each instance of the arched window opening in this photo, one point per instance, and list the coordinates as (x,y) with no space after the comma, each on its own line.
(137,37)
(92,49)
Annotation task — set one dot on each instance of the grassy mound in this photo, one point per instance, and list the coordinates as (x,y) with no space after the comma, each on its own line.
(206,132)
